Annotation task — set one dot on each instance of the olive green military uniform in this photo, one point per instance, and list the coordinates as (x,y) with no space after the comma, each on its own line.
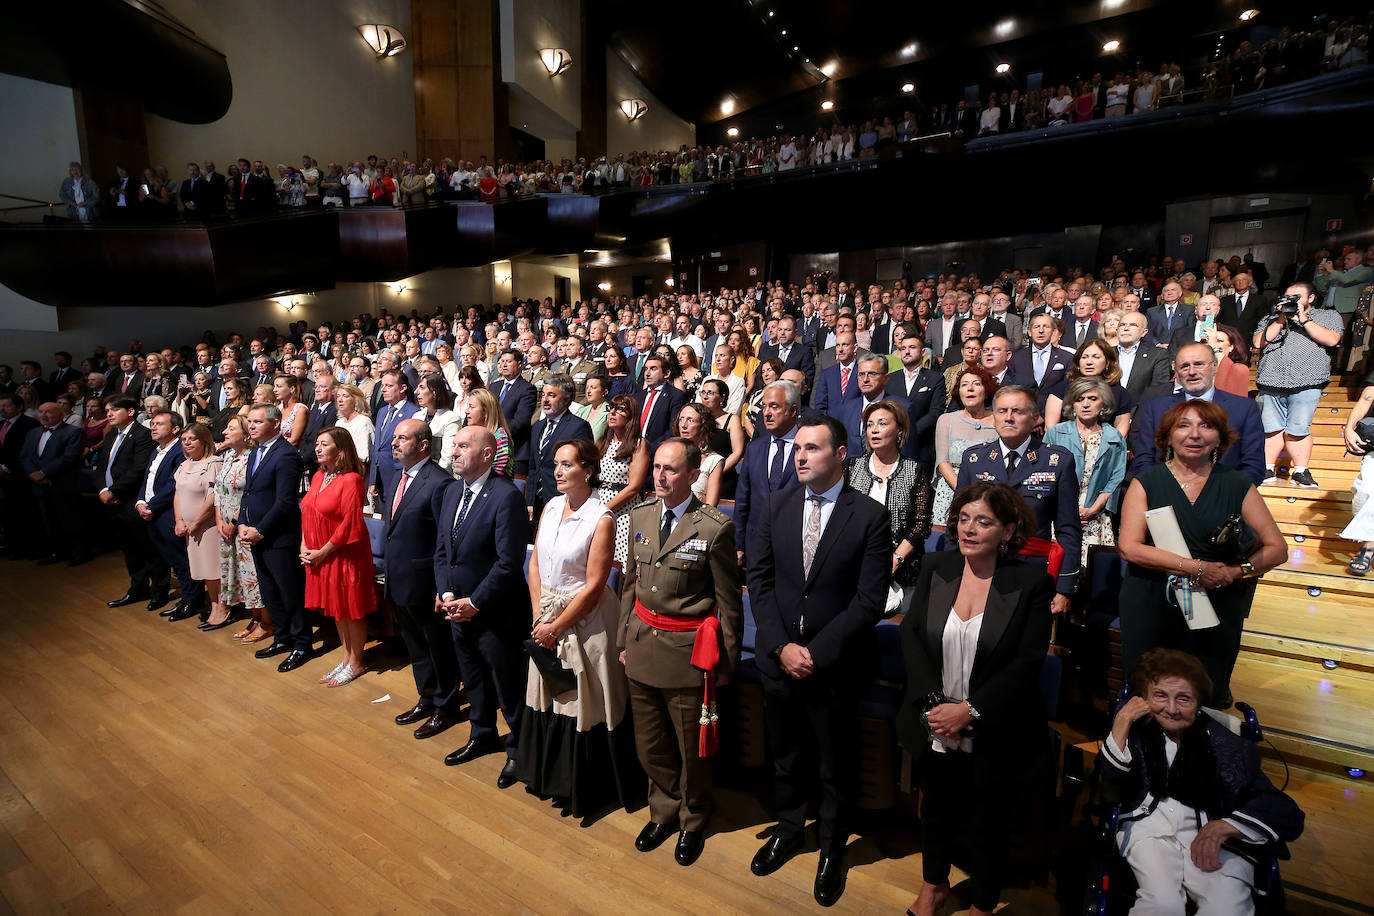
(580,372)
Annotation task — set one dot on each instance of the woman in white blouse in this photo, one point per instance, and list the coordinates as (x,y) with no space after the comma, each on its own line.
(723,366)
(990,121)
(444,353)
(1058,107)
(436,409)
(351,404)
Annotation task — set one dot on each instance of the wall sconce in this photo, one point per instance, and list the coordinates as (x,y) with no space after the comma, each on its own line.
(398,288)
(502,279)
(555,60)
(604,286)
(384,40)
(669,282)
(289,305)
(634,109)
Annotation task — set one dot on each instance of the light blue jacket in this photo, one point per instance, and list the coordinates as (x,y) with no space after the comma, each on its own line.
(1110,469)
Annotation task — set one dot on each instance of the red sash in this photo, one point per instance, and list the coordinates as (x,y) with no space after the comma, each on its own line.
(706,656)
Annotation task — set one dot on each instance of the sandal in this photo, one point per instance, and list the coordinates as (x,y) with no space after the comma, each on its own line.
(330,676)
(1359,564)
(259,636)
(252,624)
(343,676)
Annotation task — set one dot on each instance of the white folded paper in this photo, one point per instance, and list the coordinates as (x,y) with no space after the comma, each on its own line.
(1194,603)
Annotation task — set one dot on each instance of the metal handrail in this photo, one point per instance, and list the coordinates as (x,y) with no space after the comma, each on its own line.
(32,204)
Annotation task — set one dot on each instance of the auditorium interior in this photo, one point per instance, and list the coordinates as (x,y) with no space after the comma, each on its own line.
(633,155)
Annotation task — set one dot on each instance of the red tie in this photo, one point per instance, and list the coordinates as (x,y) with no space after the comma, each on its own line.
(648,408)
(400,491)
(124,389)
(844,379)
(5,430)
(243,186)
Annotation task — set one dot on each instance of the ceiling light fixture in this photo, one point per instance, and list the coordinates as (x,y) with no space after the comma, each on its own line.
(1004,28)
(384,40)
(555,60)
(727,107)
(732,132)
(1003,68)
(770,14)
(1111,47)
(668,282)
(909,50)
(830,68)
(1248,15)
(633,109)
(604,286)
(783,33)
(908,87)
(827,105)
(795,48)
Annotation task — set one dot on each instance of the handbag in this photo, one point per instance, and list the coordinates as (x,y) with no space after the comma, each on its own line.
(1365,430)
(1235,539)
(558,679)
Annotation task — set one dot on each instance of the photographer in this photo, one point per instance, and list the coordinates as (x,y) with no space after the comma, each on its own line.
(1359,439)
(1295,365)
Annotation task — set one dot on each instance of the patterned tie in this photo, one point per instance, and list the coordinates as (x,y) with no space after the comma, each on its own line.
(844,379)
(777,469)
(461,517)
(545,439)
(811,539)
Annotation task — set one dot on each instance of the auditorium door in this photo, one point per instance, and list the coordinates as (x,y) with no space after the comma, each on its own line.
(1274,239)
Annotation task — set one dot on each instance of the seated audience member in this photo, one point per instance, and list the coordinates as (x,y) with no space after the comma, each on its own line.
(1044,474)
(1359,439)
(1041,364)
(694,424)
(1095,359)
(968,425)
(894,481)
(51,459)
(972,717)
(336,550)
(768,464)
(1099,452)
(1196,802)
(155,497)
(1195,367)
(193,511)
(1196,328)
(1204,493)
(238,578)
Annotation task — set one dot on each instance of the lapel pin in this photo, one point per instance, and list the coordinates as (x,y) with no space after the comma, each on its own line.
(973,459)
(1054,461)
(1030,456)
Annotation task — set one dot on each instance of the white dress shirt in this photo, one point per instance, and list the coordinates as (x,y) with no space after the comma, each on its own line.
(151,476)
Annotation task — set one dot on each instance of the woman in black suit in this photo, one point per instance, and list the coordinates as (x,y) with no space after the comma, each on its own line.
(972,714)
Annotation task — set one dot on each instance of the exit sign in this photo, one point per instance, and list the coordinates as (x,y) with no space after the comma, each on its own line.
(1254,224)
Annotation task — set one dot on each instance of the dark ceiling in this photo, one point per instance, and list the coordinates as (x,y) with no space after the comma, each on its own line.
(694,59)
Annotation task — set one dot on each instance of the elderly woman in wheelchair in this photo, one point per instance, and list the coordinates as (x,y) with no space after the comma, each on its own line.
(1196,807)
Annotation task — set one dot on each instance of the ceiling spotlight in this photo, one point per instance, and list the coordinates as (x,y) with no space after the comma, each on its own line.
(1248,15)
(555,60)
(668,282)
(732,132)
(795,48)
(770,14)
(908,87)
(604,286)
(727,107)
(783,33)
(909,50)
(1005,27)
(1003,68)
(830,68)
(1111,47)
(384,40)
(633,109)
(827,105)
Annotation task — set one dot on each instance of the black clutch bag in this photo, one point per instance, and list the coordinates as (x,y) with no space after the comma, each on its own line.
(1365,430)
(1235,539)
(558,679)
(936,698)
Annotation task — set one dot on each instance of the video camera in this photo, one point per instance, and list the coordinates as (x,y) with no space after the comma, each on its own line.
(1287,305)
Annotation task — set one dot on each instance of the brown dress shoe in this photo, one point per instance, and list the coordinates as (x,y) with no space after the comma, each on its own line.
(417,713)
(434,725)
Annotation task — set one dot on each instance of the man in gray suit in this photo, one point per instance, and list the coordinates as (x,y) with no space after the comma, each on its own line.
(80,194)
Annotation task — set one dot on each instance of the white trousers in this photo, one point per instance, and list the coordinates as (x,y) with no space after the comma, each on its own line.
(1157,849)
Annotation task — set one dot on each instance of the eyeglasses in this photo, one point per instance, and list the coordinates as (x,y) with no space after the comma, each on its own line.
(620,408)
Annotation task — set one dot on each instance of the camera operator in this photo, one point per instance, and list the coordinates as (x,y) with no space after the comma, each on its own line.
(1295,344)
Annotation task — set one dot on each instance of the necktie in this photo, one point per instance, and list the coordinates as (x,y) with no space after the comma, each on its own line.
(844,379)
(545,439)
(400,492)
(666,531)
(776,469)
(124,389)
(501,398)
(782,353)
(1012,458)
(390,415)
(1082,333)
(648,409)
(811,537)
(1039,365)
(114,450)
(462,515)
(1168,316)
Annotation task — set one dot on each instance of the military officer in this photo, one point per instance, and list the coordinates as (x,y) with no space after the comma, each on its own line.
(1046,475)
(579,367)
(675,648)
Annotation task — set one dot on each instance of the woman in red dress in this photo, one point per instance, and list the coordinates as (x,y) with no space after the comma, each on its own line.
(336,551)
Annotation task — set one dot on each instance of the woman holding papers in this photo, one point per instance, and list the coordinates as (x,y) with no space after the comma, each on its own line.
(1203,496)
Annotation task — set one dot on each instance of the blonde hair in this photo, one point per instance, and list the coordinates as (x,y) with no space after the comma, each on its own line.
(360,404)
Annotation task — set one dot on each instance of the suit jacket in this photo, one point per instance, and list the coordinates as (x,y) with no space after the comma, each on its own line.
(1151,367)
(1022,366)
(164,481)
(707,353)
(1157,320)
(13,445)
(1246,454)
(880,338)
(808,331)
(936,341)
(751,489)
(1071,335)
(485,564)
(1257,305)
(317,421)
(833,610)
(115,385)
(518,406)
(1047,476)
(1004,684)
(271,496)
(90,194)
(60,461)
(1015,329)
(384,468)
(850,412)
(669,401)
(693,575)
(58,378)
(203,195)
(216,189)
(826,358)
(925,402)
(130,462)
(540,486)
(799,357)
(827,396)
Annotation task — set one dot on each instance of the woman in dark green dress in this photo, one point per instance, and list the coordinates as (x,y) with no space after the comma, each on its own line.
(1192,436)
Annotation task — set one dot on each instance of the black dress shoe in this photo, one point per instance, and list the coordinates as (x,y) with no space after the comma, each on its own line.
(293,661)
(417,713)
(507,777)
(653,835)
(50,560)
(156,602)
(689,846)
(182,612)
(830,874)
(474,749)
(435,724)
(174,609)
(774,855)
(277,648)
(228,621)
(126,599)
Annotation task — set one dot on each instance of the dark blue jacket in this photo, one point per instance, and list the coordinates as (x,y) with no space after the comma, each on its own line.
(411,536)
(751,490)
(541,482)
(271,496)
(518,408)
(384,468)
(1246,453)
(486,562)
(164,484)
(60,461)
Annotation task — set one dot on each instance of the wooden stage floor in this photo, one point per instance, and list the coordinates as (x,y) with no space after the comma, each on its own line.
(146,767)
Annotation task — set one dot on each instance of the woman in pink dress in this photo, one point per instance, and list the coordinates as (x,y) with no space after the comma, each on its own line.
(193,507)
(335,549)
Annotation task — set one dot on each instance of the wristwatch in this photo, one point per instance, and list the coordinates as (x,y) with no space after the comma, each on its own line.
(972,713)
(1247,570)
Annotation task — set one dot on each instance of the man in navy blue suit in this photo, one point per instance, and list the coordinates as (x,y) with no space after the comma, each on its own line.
(793,353)
(659,403)
(819,570)
(838,381)
(154,506)
(479,574)
(1195,365)
(767,465)
(269,522)
(872,375)
(1169,314)
(1046,475)
(411,533)
(397,405)
(1041,365)
(558,424)
(51,458)
(516,397)
(924,391)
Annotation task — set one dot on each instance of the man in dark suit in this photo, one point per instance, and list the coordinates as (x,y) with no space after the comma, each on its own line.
(156,491)
(1169,315)
(872,375)
(126,379)
(838,381)
(1082,328)
(253,192)
(51,458)
(997,352)
(120,466)
(1046,475)
(767,464)
(1195,366)
(659,403)
(1142,291)
(1192,331)
(64,373)
(818,576)
(18,506)
(217,189)
(988,324)
(516,397)
(269,521)
(557,424)
(1245,307)
(1041,365)
(924,392)
(198,196)
(478,572)
(1142,366)
(323,414)
(793,353)
(396,406)
(809,326)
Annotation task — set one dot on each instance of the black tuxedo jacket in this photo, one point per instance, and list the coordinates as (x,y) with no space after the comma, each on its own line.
(1004,685)
(130,461)
(833,610)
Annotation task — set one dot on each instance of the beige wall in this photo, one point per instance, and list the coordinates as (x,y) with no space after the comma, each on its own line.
(527,26)
(304,82)
(534,279)
(38,122)
(659,129)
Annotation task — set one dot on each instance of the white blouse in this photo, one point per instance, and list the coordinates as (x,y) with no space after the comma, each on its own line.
(566,543)
(958,646)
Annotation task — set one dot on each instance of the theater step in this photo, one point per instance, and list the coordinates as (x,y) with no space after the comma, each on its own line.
(1331,628)
(1313,717)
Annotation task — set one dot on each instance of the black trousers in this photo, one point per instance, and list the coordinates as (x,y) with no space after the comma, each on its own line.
(429,642)
(60,511)
(149,574)
(494,666)
(162,532)
(964,805)
(813,734)
(281,580)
